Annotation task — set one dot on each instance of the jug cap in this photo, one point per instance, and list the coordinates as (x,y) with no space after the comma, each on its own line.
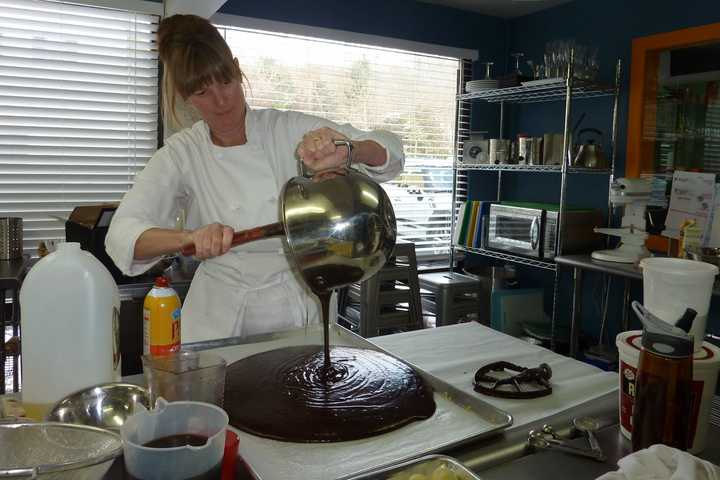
(661,338)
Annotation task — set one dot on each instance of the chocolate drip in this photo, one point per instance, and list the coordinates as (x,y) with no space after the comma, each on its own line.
(325,303)
(289,394)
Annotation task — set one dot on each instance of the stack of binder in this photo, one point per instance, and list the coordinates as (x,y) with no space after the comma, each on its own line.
(470,227)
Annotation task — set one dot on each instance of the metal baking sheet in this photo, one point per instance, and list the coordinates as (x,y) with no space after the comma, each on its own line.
(460,418)
(489,413)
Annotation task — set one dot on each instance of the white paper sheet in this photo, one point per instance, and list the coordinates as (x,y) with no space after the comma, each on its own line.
(454,353)
(451,353)
(692,198)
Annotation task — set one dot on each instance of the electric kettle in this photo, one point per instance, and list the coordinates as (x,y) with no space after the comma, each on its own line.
(589,154)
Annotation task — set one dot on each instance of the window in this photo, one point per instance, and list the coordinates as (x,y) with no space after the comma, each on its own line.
(410,94)
(78,109)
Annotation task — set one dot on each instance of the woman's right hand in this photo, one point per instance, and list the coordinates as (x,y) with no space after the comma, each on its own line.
(210,241)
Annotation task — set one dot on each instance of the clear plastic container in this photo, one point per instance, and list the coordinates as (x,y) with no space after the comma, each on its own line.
(170,421)
(186,375)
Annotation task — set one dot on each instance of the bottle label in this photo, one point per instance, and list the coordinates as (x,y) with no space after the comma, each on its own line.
(146,331)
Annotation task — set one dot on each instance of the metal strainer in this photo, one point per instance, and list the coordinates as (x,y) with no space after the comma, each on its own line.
(56,451)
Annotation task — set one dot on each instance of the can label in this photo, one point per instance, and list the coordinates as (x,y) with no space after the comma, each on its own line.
(161,324)
(628,375)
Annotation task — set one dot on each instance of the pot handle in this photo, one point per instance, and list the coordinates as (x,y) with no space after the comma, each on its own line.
(597,132)
(19,473)
(339,143)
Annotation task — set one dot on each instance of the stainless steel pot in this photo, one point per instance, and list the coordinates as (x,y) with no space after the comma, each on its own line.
(340,229)
(339,226)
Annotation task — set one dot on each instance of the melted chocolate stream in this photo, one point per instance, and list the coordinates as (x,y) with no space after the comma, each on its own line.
(325,303)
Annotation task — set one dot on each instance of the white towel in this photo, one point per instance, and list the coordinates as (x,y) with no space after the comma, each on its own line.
(660,462)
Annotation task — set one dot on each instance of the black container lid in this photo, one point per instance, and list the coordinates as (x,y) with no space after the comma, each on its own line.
(667,345)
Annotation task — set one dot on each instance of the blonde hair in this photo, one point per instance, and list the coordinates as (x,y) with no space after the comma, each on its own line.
(194,54)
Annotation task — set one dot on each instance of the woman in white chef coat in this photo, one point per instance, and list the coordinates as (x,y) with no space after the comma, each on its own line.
(228,170)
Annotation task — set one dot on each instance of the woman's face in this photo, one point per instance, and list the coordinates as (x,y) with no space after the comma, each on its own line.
(222,106)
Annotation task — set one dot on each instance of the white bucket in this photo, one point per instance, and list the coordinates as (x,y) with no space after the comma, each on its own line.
(671,285)
(706,365)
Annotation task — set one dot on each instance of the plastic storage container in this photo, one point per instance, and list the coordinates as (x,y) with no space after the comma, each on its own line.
(161,319)
(671,285)
(70,327)
(168,421)
(186,375)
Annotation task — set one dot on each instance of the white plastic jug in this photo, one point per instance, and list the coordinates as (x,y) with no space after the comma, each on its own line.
(70,308)
(671,285)
(168,424)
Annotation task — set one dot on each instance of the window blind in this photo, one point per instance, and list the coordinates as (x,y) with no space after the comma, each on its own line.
(410,94)
(78,109)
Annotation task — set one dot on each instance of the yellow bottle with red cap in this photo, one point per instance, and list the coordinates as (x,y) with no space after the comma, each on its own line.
(161,319)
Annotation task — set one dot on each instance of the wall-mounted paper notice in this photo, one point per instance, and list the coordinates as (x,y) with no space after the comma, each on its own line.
(692,198)
(712,233)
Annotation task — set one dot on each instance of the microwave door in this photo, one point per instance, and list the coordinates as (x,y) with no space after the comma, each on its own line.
(517,233)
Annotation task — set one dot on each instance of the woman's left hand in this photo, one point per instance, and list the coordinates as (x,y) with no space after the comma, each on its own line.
(318,152)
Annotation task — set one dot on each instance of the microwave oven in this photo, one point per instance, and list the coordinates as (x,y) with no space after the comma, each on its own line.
(530,229)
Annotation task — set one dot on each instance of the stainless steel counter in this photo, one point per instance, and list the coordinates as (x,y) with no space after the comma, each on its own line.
(561,466)
(505,456)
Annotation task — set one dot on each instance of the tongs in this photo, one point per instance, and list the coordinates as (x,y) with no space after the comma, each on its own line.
(547,439)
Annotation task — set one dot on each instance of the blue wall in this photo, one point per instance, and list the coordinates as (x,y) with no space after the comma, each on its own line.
(405,19)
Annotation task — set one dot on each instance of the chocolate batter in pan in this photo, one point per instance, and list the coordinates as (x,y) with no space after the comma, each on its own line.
(287,394)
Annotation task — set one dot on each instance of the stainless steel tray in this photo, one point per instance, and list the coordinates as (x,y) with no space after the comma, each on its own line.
(491,420)
(490,413)
(423,466)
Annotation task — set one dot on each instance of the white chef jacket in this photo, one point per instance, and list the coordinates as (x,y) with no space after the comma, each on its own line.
(251,289)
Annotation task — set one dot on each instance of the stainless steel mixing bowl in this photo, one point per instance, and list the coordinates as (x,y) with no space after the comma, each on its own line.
(106,406)
(56,451)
